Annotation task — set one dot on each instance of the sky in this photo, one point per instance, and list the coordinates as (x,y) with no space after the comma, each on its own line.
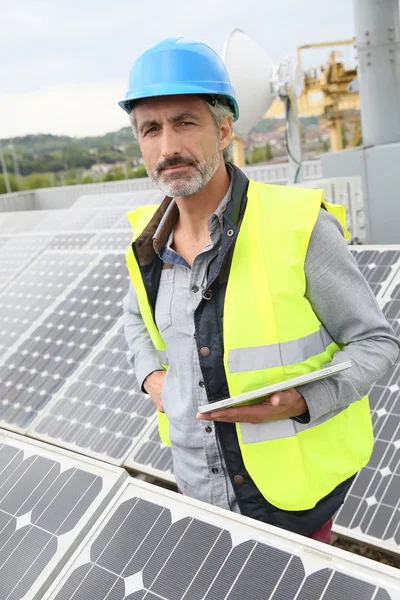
(64,64)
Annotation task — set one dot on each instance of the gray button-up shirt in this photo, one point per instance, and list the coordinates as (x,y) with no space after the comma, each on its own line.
(340,297)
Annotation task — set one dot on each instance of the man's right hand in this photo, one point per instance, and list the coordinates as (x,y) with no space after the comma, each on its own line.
(153,385)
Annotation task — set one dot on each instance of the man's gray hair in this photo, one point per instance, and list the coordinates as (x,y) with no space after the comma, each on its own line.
(219,112)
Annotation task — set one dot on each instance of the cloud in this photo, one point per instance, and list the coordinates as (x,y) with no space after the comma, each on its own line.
(75,110)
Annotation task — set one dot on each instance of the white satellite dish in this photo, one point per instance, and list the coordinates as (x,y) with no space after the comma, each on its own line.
(257,82)
(250,70)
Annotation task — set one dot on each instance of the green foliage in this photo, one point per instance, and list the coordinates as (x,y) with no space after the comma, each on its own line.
(325,146)
(139,172)
(44,153)
(87,179)
(75,156)
(268,152)
(37,180)
(257,155)
(11,180)
(114,175)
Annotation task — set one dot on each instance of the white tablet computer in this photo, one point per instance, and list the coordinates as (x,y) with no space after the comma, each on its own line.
(276,387)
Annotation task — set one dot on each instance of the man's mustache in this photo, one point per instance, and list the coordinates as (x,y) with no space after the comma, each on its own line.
(174,162)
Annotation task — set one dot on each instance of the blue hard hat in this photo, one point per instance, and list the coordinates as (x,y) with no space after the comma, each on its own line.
(179,66)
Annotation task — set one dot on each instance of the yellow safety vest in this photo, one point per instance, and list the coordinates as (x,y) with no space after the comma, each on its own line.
(271,334)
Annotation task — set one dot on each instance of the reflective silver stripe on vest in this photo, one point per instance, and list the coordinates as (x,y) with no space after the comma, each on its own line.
(162,357)
(284,428)
(277,355)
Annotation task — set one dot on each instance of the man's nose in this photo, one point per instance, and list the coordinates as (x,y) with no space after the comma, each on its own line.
(171,143)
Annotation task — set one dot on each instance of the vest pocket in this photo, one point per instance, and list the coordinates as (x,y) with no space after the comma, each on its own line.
(163,315)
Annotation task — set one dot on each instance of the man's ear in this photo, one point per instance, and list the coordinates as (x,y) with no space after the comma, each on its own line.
(225,133)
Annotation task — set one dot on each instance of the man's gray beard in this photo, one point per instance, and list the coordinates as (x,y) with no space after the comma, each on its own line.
(185,184)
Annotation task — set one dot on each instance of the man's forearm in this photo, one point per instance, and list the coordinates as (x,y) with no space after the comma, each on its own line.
(142,354)
(346,306)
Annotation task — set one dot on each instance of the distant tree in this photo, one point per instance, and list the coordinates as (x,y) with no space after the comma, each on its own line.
(87,179)
(114,174)
(268,152)
(76,156)
(325,146)
(139,172)
(37,180)
(257,155)
(12,181)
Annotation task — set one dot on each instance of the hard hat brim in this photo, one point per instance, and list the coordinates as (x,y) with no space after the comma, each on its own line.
(195,89)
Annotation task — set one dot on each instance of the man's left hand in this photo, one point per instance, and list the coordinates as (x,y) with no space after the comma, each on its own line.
(281,405)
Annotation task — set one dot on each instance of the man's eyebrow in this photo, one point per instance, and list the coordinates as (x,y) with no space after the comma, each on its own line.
(147,124)
(184,116)
(181,117)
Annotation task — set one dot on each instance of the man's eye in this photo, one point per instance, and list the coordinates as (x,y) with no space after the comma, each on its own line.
(151,130)
(186,123)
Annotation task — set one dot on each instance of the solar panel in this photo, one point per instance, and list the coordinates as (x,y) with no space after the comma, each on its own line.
(112,240)
(18,252)
(70,241)
(24,221)
(65,220)
(101,411)
(378,264)
(27,298)
(49,354)
(156,545)
(48,500)
(151,456)
(371,512)
(113,199)
(105,218)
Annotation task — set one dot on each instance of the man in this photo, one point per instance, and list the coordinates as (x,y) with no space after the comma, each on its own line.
(236,285)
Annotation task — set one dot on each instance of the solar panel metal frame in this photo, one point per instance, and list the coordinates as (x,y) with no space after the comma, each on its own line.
(113,479)
(315,557)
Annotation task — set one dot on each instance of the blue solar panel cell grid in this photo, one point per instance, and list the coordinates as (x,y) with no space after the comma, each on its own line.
(41,284)
(371,511)
(70,241)
(47,499)
(32,375)
(106,218)
(378,264)
(112,240)
(151,456)
(156,545)
(17,253)
(101,411)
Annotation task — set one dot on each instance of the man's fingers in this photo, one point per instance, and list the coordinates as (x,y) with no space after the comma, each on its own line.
(257,413)
(275,400)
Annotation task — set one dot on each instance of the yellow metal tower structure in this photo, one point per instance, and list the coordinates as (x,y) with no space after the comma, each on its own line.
(325,92)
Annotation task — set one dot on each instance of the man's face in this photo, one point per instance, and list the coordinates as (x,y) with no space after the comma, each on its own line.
(179,143)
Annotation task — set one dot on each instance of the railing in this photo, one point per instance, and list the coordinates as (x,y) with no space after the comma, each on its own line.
(347,191)
(65,196)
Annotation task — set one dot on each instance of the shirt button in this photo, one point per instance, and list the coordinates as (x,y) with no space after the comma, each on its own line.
(238,479)
(202,384)
(208,429)
(195,289)
(204,351)
(214,470)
